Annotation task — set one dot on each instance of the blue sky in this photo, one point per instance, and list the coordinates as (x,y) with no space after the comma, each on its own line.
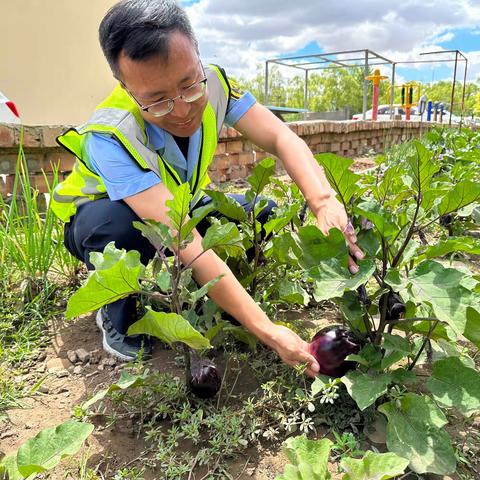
(242,36)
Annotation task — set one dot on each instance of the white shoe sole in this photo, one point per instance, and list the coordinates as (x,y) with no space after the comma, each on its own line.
(105,345)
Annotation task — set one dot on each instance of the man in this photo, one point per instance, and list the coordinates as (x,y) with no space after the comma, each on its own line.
(159,128)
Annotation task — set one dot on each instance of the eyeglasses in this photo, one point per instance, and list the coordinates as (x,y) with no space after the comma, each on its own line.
(161,108)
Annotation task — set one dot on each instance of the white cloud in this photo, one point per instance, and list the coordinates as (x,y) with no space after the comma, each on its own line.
(241,35)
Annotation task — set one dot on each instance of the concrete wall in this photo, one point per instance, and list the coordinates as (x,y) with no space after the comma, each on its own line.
(235,156)
(52,65)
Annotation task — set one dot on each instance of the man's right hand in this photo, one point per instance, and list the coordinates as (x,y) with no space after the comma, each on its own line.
(292,349)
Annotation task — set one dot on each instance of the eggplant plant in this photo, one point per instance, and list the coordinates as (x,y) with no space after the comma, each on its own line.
(417,300)
(170,295)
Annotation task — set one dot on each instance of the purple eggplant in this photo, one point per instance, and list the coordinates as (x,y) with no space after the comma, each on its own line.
(203,377)
(330,346)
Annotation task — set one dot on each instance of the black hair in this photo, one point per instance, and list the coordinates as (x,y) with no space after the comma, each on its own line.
(141,29)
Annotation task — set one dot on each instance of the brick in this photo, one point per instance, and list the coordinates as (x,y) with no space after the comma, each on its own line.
(31,137)
(7,136)
(239,171)
(335,147)
(246,158)
(235,146)
(221,162)
(8,163)
(49,135)
(221,148)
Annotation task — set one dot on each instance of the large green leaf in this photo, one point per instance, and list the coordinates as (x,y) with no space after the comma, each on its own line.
(47,448)
(222,237)
(169,327)
(421,166)
(464,193)
(365,388)
(382,220)
(227,206)
(261,174)
(453,244)
(292,292)
(116,276)
(472,328)
(373,466)
(440,287)
(315,247)
(352,309)
(455,385)
(415,431)
(339,175)
(8,466)
(309,459)
(332,278)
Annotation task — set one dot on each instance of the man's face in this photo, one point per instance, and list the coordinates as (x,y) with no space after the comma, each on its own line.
(155,79)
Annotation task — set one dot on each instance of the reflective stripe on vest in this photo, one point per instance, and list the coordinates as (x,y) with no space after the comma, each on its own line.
(120,117)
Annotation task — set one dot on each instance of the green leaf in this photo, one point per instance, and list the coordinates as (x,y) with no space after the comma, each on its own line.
(50,446)
(432,283)
(453,384)
(368,242)
(170,328)
(472,327)
(282,217)
(315,247)
(415,431)
(374,212)
(157,233)
(464,193)
(332,278)
(227,206)
(116,276)
(179,207)
(261,174)
(352,309)
(421,166)
(374,466)
(403,377)
(453,244)
(9,466)
(339,175)
(126,380)
(164,280)
(201,292)
(222,236)
(241,334)
(292,292)
(309,459)
(365,388)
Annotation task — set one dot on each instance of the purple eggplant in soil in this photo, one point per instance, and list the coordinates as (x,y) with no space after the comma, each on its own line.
(203,377)
(330,346)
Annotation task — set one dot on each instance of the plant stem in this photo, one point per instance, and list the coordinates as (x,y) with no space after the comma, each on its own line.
(425,341)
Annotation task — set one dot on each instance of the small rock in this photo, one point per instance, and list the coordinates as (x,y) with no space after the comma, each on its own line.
(101,367)
(95,356)
(77,370)
(56,363)
(41,368)
(43,389)
(110,361)
(62,373)
(72,356)
(41,356)
(82,355)
(8,433)
(250,471)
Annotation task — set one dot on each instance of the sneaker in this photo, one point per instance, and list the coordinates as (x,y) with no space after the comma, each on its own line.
(123,347)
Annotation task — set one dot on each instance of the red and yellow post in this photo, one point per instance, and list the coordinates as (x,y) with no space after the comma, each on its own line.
(375,79)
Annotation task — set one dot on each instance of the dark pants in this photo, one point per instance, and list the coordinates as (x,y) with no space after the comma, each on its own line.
(99,222)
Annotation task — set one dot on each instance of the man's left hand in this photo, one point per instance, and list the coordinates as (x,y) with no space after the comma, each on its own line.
(332,214)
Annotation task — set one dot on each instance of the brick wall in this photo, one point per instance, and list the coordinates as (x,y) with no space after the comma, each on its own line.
(235,155)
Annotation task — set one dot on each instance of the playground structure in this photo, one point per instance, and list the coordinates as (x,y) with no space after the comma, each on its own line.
(367,58)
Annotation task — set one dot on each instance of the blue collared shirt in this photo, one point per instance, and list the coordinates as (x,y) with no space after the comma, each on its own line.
(123,177)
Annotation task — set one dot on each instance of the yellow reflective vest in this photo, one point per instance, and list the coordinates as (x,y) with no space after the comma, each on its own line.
(120,117)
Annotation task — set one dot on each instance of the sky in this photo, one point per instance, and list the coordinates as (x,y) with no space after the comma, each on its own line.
(241,35)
